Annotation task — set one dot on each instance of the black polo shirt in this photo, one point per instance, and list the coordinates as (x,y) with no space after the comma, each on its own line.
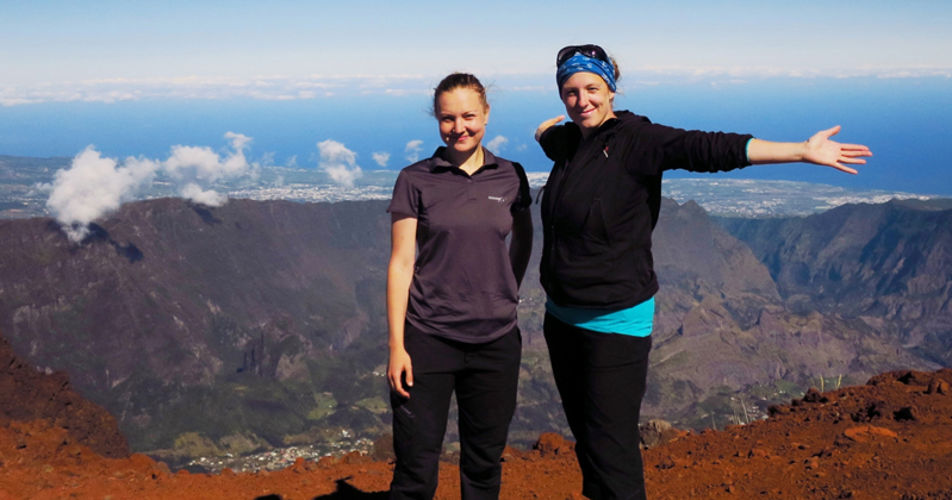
(463,286)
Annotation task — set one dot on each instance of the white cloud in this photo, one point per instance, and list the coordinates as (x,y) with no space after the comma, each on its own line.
(497,144)
(286,88)
(191,166)
(193,161)
(266,88)
(413,150)
(195,193)
(94,186)
(339,162)
(267,159)
(382,158)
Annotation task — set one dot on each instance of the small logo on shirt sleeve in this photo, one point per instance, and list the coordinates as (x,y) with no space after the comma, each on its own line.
(497,199)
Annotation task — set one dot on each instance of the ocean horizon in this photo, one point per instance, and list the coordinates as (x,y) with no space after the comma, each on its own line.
(903,120)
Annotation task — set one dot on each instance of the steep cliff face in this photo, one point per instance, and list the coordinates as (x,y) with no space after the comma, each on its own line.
(888,265)
(163,275)
(723,324)
(697,261)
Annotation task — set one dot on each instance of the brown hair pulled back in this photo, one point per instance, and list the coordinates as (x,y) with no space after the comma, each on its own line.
(617,70)
(459,80)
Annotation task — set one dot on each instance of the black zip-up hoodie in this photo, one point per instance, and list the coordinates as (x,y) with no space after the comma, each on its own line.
(601,203)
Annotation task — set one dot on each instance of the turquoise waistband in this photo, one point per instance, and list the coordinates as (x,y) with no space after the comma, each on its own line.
(636,320)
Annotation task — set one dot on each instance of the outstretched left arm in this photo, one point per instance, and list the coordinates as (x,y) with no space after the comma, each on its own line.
(819,149)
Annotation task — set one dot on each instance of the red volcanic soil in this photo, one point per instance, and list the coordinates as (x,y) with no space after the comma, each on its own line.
(891,438)
(28,394)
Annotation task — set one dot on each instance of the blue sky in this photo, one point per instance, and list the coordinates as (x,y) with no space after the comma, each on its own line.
(135,78)
(150,44)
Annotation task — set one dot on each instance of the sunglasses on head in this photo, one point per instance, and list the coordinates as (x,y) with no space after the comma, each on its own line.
(587,50)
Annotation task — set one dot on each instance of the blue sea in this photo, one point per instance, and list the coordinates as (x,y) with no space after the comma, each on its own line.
(906,121)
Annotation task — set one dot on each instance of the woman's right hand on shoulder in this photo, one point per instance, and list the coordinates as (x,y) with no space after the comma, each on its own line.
(546,124)
(400,369)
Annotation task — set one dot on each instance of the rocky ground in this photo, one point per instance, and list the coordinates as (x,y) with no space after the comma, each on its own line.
(891,438)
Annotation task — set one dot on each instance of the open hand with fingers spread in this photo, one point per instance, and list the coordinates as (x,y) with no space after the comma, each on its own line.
(822,150)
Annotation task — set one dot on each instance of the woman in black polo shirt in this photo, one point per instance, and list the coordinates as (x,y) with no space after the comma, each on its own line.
(599,207)
(452,291)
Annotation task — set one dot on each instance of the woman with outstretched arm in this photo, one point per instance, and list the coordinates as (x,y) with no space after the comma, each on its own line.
(599,207)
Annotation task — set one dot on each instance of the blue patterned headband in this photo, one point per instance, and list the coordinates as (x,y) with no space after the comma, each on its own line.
(579,63)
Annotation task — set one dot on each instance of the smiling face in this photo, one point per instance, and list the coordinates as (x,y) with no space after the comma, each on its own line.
(462,116)
(588,101)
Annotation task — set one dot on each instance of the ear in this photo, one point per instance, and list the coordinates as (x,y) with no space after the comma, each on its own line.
(487,115)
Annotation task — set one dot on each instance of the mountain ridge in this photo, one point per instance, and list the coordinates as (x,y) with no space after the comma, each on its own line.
(887,265)
(263,324)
